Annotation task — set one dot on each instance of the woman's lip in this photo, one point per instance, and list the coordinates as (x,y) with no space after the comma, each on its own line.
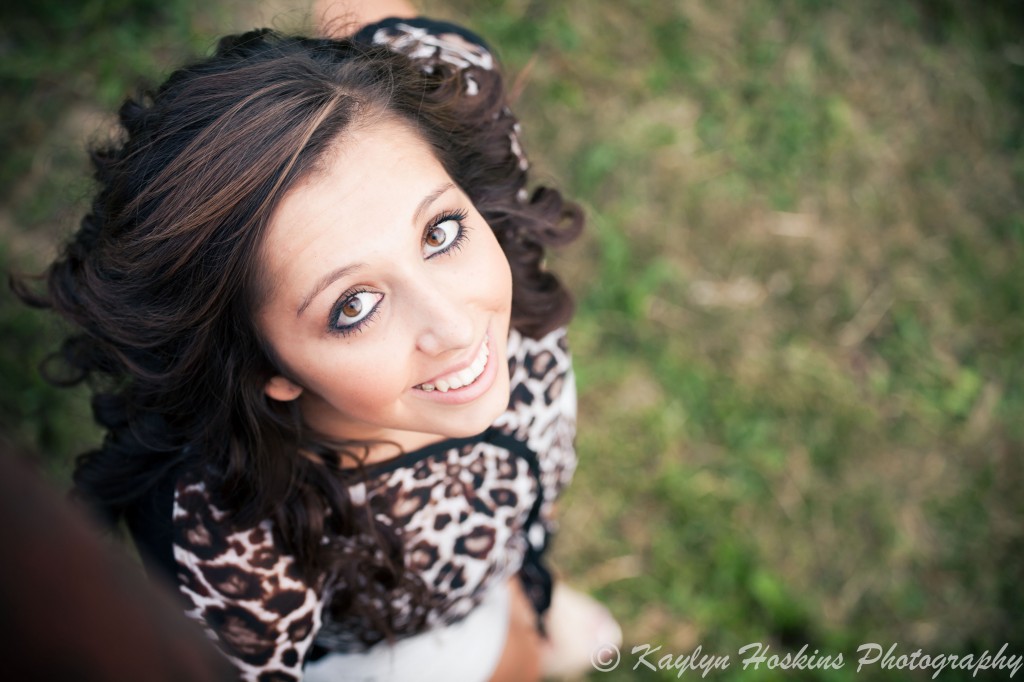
(458,368)
(465,394)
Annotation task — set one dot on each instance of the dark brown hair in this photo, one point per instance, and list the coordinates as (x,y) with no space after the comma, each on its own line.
(162,277)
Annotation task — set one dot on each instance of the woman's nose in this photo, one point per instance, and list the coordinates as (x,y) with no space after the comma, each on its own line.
(442,318)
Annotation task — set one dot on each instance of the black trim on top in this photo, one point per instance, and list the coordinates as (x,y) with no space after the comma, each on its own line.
(413,456)
(536,577)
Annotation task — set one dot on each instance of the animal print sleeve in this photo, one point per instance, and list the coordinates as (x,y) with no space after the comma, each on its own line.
(553,431)
(246,593)
(542,413)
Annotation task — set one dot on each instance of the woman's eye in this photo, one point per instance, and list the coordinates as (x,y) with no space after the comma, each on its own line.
(356,308)
(442,235)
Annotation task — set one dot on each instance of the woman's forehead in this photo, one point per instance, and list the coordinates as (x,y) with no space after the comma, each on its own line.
(364,201)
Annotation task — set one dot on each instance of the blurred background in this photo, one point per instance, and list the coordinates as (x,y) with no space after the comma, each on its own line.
(800,336)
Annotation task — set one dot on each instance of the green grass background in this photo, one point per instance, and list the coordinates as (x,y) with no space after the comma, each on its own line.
(800,337)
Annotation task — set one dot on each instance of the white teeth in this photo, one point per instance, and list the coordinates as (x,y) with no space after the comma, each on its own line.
(464,377)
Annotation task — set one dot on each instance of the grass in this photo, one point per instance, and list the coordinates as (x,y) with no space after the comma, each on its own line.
(800,335)
(63,74)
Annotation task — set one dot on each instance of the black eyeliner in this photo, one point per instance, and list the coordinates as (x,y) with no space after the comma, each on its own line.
(459,216)
(332,319)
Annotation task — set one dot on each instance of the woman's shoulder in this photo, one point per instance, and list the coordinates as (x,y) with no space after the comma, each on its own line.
(223,549)
(542,383)
(240,584)
(179,523)
(543,359)
(234,578)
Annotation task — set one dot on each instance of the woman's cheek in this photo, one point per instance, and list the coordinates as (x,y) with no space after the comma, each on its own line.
(498,269)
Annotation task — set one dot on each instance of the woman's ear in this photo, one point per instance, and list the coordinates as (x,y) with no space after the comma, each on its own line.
(282,389)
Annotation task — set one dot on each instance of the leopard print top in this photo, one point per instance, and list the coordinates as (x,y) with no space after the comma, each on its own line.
(475,512)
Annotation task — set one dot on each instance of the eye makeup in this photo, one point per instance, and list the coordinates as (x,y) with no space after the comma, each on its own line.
(450,243)
(353,303)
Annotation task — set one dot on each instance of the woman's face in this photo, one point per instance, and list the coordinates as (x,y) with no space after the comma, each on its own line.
(389,297)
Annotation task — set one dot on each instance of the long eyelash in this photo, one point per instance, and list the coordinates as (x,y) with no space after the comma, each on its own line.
(332,327)
(358,326)
(458,216)
(332,320)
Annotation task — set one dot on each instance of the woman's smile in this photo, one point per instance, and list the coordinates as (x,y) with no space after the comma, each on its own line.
(457,379)
(467,384)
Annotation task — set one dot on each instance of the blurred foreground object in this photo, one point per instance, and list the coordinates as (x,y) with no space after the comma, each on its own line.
(71,608)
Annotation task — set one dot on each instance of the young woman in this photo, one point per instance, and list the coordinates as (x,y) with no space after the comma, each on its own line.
(339,405)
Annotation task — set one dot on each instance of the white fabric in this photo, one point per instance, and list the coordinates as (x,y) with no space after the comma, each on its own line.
(466,651)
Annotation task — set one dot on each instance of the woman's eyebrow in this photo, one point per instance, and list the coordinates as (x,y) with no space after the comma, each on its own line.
(325,282)
(429,199)
(337,274)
